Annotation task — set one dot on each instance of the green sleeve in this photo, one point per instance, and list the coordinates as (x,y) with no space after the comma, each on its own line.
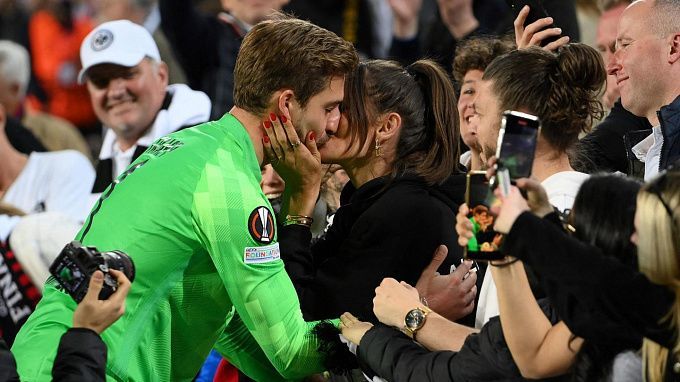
(261,292)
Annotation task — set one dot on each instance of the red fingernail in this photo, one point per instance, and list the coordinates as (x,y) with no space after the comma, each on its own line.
(267,124)
(312,136)
(272,116)
(265,139)
(283,119)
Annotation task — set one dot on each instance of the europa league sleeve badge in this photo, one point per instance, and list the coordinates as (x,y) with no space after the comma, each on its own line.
(261,225)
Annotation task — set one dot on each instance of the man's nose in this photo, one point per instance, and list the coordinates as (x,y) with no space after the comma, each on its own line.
(612,63)
(116,87)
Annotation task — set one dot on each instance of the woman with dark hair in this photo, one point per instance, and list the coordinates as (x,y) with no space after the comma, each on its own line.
(398,142)
(523,320)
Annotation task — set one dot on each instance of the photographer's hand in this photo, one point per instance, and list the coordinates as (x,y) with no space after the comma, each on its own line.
(93,313)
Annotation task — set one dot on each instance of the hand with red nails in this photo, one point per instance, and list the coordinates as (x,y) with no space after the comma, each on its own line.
(297,162)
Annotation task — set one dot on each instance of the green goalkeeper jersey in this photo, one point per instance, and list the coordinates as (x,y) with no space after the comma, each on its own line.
(202,235)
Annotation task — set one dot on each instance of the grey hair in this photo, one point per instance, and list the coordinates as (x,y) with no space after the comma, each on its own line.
(666,17)
(15,65)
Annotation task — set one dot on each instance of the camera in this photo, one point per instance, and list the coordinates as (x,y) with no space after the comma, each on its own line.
(76,263)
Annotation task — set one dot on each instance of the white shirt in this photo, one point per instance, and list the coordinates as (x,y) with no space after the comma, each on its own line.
(58,181)
(648,151)
(561,188)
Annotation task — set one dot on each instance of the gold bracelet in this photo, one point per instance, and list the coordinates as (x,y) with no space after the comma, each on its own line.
(299,220)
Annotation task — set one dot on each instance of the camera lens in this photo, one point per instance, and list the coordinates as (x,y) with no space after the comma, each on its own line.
(121,262)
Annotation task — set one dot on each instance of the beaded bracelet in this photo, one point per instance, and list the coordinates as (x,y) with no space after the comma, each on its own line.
(299,220)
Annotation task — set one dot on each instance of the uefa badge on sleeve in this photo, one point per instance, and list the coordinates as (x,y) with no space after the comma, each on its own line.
(261,225)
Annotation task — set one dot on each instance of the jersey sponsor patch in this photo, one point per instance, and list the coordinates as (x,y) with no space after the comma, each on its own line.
(259,255)
(261,225)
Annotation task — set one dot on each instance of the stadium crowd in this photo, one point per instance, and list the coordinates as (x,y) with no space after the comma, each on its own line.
(274,190)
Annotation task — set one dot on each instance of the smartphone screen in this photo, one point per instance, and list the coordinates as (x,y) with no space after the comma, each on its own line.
(485,243)
(517,143)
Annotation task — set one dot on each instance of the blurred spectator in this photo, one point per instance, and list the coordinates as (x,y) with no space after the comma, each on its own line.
(53,181)
(455,20)
(207,45)
(146,14)
(608,147)
(14,22)
(366,24)
(128,85)
(647,70)
(55,133)
(55,32)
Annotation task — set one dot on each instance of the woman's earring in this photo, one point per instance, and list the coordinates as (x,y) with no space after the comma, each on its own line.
(378,151)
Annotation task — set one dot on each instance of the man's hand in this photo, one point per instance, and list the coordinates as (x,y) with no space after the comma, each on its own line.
(96,314)
(452,295)
(393,300)
(534,33)
(352,328)
(405,14)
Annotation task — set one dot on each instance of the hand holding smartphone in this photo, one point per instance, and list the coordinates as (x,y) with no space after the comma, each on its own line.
(537,11)
(485,243)
(517,143)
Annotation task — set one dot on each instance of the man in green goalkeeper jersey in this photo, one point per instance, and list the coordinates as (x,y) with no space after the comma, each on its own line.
(202,235)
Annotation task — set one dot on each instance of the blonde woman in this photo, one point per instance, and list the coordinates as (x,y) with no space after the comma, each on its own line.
(625,302)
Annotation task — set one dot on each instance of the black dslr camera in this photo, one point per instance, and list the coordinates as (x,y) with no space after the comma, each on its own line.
(75,265)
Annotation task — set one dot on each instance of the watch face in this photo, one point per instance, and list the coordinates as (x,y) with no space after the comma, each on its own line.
(414,319)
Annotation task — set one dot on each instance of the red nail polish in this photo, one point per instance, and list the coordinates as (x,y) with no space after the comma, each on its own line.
(283,119)
(265,139)
(267,124)
(312,135)
(272,116)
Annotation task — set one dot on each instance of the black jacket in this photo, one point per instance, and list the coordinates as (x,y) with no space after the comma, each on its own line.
(81,356)
(669,117)
(377,232)
(604,148)
(605,292)
(483,357)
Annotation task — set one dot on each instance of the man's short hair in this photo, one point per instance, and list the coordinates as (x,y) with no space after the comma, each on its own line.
(15,65)
(285,52)
(477,53)
(665,17)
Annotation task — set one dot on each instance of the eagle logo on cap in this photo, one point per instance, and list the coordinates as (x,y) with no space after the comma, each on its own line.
(102,40)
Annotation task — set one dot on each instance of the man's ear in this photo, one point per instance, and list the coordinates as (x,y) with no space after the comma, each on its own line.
(390,127)
(164,73)
(286,102)
(674,54)
(3,119)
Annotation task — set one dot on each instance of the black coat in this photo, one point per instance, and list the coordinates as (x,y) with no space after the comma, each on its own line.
(379,231)
(81,356)
(483,357)
(604,149)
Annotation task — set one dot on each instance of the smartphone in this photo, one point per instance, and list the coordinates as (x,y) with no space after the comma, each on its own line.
(517,143)
(536,11)
(485,243)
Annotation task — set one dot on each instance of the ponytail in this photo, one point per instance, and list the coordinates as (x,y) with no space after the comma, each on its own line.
(431,149)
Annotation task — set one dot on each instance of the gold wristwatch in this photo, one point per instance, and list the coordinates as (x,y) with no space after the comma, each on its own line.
(415,319)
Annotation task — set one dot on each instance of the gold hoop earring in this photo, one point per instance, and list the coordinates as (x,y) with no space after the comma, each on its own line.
(378,151)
